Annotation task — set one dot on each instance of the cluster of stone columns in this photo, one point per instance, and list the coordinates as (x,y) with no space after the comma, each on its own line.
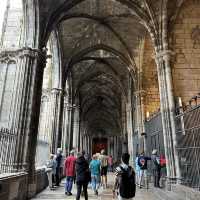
(24,116)
(168,112)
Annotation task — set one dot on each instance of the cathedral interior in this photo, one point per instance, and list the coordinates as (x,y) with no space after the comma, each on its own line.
(120,75)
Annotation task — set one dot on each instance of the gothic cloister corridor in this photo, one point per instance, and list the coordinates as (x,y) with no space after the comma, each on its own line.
(90,75)
(58,194)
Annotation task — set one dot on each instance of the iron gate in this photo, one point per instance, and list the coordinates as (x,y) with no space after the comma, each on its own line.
(188,136)
(154,139)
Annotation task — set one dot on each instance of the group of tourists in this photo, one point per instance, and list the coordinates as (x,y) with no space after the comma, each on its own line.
(80,169)
(127,179)
(54,169)
(141,168)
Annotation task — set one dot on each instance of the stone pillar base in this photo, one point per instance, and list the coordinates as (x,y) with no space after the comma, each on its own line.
(32,190)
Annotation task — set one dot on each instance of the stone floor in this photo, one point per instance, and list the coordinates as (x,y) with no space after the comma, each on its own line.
(58,193)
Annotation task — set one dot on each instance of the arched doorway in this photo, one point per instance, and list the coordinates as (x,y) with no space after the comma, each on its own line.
(98,144)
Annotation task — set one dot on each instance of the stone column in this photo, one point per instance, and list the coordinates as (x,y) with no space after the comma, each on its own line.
(140,119)
(65,126)
(24,118)
(115,147)
(129,129)
(88,143)
(76,124)
(70,134)
(82,135)
(111,146)
(55,117)
(163,57)
(168,112)
(108,150)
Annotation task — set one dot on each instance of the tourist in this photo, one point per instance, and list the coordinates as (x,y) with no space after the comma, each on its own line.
(125,180)
(87,157)
(104,167)
(51,171)
(110,163)
(142,162)
(95,168)
(157,168)
(59,165)
(83,176)
(69,171)
(137,169)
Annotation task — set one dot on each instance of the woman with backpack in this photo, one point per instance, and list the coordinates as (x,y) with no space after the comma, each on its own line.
(83,176)
(125,180)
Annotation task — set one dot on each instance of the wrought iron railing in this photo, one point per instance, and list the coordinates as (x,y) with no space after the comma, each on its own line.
(154,130)
(8,140)
(188,143)
(188,136)
(154,138)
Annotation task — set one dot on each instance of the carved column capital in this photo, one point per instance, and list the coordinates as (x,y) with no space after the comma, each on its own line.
(14,54)
(57,91)
(164,55)
(140,93)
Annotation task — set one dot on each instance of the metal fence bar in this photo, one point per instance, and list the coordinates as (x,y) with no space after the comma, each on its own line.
(189,146)
(7,150)
(188,143)
(155,139)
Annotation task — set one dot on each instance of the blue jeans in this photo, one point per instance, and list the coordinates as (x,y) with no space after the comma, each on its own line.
(69,183)
(95,181)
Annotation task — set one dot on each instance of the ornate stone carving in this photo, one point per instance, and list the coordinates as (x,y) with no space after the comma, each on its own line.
(13,55)
(195,36)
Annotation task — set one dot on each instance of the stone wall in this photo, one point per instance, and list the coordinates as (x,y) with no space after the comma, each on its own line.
(15,186)
(150,79)
(12,29)
(186,44)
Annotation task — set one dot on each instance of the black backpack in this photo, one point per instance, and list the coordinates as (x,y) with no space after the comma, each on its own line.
(127,183)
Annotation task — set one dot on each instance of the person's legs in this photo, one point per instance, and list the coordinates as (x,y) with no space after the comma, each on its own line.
(157,178)
(57,177)
(104,176)
(66,185)
(106,185)
(70,184)
(141,177)
(53,179)
(97,182)
(49,175)
(79,187)
(137,177)
(93,182)
(159,175)
(85,185)
(145,179)
(154,178)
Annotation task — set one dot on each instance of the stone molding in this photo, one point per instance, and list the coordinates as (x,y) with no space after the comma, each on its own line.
(164,55)
(12,55)
(57,91)
(140,93)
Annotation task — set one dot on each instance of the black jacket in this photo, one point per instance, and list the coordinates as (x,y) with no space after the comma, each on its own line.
(142,162)
(156,162)
(82,170)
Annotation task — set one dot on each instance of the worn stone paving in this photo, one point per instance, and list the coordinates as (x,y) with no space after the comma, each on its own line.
(104,194)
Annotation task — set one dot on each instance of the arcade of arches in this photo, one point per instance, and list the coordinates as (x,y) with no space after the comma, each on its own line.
(122,75)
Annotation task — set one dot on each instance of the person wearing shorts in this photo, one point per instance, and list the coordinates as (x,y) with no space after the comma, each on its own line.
(104,168)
